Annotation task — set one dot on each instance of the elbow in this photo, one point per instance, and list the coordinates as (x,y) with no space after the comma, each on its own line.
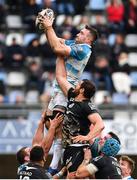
(58,79)
(57,50)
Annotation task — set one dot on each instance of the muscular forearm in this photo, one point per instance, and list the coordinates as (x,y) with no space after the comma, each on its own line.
(98,127)
(53,40)
(48,140)
(39,134)
(61,75)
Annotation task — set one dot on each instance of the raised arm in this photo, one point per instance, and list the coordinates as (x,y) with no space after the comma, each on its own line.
(39,133)
(97,121)
(48,139)
(56,44)
(61,75)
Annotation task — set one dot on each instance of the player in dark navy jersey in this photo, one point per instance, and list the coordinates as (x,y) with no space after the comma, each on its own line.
(35,168)
(45,142)
(104,166)
(79,116)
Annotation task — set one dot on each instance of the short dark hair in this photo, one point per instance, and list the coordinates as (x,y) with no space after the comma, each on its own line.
(130,161)
(113,135)
(93,31)
(36,154)
(89,88)
(21,155)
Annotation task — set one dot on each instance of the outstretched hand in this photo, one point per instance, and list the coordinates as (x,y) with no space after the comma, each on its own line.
(80,139)
(45,21)
(54,123)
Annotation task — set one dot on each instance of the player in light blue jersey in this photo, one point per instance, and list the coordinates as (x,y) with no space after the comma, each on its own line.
(76,54)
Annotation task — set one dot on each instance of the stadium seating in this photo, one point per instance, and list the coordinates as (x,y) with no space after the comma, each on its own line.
(120,99)
(122,82)
(14,22)
(16,79)
(17,36)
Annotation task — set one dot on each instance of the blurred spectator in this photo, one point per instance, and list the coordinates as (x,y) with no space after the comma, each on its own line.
(119,46)
(83,21)
(29,12)
(16,95)
(65,7)
(33,49)
(115,13)
(66,35)
(131,16)
(2,56)
(48,57)
(34,76)
(2,92)
(13,6)
(122,63)
(15,56)
(80,6)
(49,4)
(47,93)
(102,47)
(67,26)
(102,73)
(97,5)
(101,25)
(2,12)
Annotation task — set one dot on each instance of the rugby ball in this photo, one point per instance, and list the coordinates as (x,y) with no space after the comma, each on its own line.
(45,12)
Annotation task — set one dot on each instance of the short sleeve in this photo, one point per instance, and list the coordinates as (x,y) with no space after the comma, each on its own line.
(79,52)
(90,108)
(69,42)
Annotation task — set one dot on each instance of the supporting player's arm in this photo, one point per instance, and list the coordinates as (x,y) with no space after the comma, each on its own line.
(61,75)
(39,133)
(86,168)
(48,139)
(56,43)
(97,121)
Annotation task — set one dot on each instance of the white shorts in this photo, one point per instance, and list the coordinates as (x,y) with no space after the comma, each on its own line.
(57,99)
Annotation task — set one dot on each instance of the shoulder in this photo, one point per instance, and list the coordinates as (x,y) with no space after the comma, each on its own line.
(98,161)
(80,51)
(69,42)
(82,48)
(89,106)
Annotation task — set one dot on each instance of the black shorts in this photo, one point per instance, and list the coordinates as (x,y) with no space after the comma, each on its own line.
(73,157)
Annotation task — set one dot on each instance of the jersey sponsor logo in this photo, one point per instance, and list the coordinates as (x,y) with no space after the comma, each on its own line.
(71,105)
(28,168)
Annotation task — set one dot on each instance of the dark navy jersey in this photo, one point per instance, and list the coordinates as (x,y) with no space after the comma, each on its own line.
(31,171)
(76,120)
(108,167)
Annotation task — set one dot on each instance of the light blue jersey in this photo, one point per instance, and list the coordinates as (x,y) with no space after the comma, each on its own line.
(76,62)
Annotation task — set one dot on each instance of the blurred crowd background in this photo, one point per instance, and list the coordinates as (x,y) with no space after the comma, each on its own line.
(27,63)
